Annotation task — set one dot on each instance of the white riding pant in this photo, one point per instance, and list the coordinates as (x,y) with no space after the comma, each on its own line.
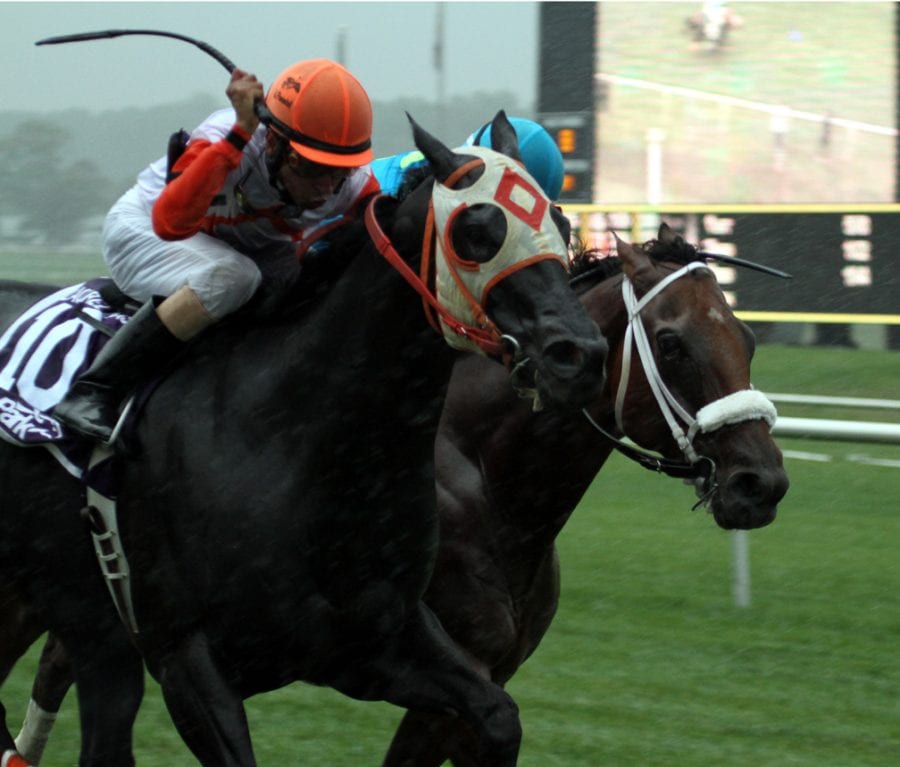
(143,265)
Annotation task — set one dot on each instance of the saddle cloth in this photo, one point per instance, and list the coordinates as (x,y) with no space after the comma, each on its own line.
(41,353)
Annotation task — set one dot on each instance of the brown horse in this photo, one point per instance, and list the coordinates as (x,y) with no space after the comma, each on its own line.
(508,483)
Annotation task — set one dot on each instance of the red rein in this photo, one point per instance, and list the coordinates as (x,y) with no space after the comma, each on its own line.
(485,334)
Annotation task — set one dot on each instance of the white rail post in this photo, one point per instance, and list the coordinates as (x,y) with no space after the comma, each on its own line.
(740,550)
(655,137)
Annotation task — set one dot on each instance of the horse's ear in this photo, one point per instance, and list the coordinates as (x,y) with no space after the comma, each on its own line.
(636,264)
(443,160)
(666,234)
(503,136)
(676,244)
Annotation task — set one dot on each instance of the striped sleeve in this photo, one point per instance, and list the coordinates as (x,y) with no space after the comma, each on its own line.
(198,176)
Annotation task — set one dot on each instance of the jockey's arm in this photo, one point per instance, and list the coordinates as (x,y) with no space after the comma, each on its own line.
(198,176)
(201,171)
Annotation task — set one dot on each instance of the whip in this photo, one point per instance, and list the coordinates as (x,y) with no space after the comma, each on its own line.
(262,112)
(109,33)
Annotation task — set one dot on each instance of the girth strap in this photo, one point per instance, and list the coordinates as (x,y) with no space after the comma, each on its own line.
(100,513)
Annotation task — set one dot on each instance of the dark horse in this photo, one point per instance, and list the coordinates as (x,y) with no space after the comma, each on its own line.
(278,510)
(508,478)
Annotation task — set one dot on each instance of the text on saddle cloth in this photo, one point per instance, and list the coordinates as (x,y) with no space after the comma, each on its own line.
(41,354)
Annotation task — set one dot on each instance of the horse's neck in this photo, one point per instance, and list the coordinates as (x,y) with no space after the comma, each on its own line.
(606,307)
(367,332)
(545,500)
(533,467)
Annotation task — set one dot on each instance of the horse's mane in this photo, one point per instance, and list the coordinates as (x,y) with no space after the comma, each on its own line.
(589,265)
(413,178)
(677,250)
(292,287)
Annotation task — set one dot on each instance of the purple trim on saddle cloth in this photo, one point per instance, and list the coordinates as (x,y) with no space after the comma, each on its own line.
(41,353)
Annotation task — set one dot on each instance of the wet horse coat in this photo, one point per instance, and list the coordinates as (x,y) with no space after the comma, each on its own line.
(509,479)
(279,511)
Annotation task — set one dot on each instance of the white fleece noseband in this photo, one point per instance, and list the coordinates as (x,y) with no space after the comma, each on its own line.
(744,405)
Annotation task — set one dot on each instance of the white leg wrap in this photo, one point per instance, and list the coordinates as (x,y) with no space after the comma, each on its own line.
(35,733)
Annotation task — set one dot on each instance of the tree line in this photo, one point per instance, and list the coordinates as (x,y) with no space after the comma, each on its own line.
(60,172)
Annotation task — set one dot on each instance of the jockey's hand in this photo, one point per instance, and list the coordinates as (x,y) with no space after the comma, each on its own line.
(243,91)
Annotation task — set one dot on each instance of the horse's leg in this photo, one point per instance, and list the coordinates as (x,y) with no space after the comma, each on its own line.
(9,757)
(53,680)
(429,740)
(207,711)
(18,631)
(109,681)
(423,670)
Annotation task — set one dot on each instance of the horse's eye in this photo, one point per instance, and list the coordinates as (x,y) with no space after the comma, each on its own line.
(478,233)
(669,345)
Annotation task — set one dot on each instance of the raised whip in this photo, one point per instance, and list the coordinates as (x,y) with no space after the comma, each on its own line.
(85,36)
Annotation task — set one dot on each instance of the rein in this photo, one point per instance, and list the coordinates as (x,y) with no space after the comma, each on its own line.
(478,330)
(487,337)
(745,405)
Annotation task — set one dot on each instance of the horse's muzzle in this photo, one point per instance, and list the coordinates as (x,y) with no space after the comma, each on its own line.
(566,374)
(569,374)
(748,498)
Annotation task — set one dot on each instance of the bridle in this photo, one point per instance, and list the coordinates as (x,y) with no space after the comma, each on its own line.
(743,405)
(450,305)
(484,333)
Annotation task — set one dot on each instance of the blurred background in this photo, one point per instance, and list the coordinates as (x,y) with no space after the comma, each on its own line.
(766,130)
(763,130)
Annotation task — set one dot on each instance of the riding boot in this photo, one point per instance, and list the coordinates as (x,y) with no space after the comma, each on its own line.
(139,348)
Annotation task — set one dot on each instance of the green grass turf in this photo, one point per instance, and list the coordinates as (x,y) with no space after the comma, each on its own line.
(649,662)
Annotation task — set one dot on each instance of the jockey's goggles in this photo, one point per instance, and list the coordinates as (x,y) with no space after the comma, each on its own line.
(307,169)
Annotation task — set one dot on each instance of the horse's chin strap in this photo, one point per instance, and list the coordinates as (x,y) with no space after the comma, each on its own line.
(702,469)
(745,405)
(486,337)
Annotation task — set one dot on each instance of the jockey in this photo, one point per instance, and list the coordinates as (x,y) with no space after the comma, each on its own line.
(184,239)
(541,156)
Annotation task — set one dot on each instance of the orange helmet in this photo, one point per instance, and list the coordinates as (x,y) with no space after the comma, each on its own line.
(323,111)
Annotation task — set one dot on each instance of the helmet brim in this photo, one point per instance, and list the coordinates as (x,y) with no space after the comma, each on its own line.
(334,159)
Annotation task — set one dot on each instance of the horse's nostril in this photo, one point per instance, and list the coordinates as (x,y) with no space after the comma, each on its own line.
(758,487)
(564,354)
(746,485)
(568,358)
